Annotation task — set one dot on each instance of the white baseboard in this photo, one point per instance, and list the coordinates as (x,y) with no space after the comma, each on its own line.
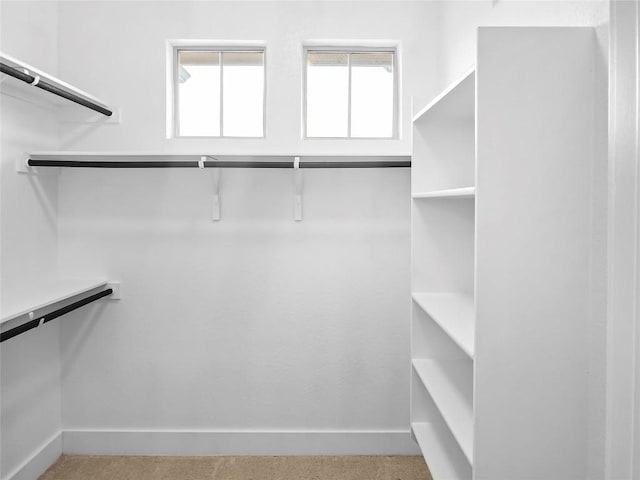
(214,442)
(38,462)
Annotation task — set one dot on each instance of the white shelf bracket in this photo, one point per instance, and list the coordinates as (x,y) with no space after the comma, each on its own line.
(22,167)
(215,177)
(297,187)
(117,291)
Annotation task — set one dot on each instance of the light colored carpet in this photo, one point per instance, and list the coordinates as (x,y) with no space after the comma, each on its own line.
(94,467)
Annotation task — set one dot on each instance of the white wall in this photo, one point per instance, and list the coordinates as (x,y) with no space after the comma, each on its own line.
(254,323)
(30,415)
(119,49)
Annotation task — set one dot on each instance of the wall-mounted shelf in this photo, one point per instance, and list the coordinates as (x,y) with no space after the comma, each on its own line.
(454,313)
(450,384)
(34,77)
(464,192)
(40,295)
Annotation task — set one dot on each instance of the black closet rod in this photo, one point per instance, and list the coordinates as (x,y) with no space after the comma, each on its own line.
(214,164)
(12,332)
(44,85)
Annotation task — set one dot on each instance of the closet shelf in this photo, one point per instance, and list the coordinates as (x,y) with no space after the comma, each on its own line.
(455,102)
(443,456)
(464,192)
(33,77)
(450,384)
(454,313)
(19,302)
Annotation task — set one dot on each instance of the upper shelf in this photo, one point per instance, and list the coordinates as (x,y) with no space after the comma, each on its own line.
(21,301)
(35,77)
(455,102)
(464,192)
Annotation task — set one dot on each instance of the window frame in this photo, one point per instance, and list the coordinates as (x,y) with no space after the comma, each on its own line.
(177,48)
(349,50)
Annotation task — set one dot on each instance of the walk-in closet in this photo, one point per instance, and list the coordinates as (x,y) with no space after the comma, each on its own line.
(319,240)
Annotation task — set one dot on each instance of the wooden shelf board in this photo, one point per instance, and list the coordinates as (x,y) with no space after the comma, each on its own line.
(21,301)
(464,108)
(443,456)
(454,313)
(450,384)
(464,192)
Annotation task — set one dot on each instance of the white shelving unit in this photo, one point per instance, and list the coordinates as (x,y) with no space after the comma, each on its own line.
(501,260)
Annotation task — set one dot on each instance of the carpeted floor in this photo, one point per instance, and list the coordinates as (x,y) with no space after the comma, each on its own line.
(94,467)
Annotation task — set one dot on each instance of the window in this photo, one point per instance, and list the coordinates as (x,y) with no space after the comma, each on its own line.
(219,92)
(350,93)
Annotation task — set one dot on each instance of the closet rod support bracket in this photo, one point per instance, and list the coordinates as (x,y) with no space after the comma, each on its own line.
(297,193)
(215,177)
(23,167)
(117,291)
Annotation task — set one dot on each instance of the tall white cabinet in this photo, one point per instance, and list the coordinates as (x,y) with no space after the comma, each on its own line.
(504,234)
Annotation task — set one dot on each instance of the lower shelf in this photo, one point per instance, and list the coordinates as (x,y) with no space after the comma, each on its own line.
(450,384)
(441,452)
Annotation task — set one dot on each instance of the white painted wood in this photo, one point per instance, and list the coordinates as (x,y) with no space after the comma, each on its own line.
(39,461)
(443,154)
(444,458)
(450,384)
(19,64)
(457,100)
(522,263)
(236,442)
(41,294)
(622,447)
(454,313)
(443,246)
(464,192)
(534,245)
(443,139)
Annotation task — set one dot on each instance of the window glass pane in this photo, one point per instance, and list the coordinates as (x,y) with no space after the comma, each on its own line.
(372,94)
(243,94)
(198,93)
(327,94)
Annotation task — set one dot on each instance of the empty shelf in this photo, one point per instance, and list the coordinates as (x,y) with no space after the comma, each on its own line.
(450,384)
(17,302)
(465,192)
(454,313)
(443,456)
(456,101)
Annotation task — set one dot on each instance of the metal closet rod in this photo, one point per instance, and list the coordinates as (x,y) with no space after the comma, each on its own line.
(44,85)
(215,164)
(12,332)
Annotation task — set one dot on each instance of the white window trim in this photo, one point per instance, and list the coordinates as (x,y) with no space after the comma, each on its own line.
(349,49)
(175,46)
